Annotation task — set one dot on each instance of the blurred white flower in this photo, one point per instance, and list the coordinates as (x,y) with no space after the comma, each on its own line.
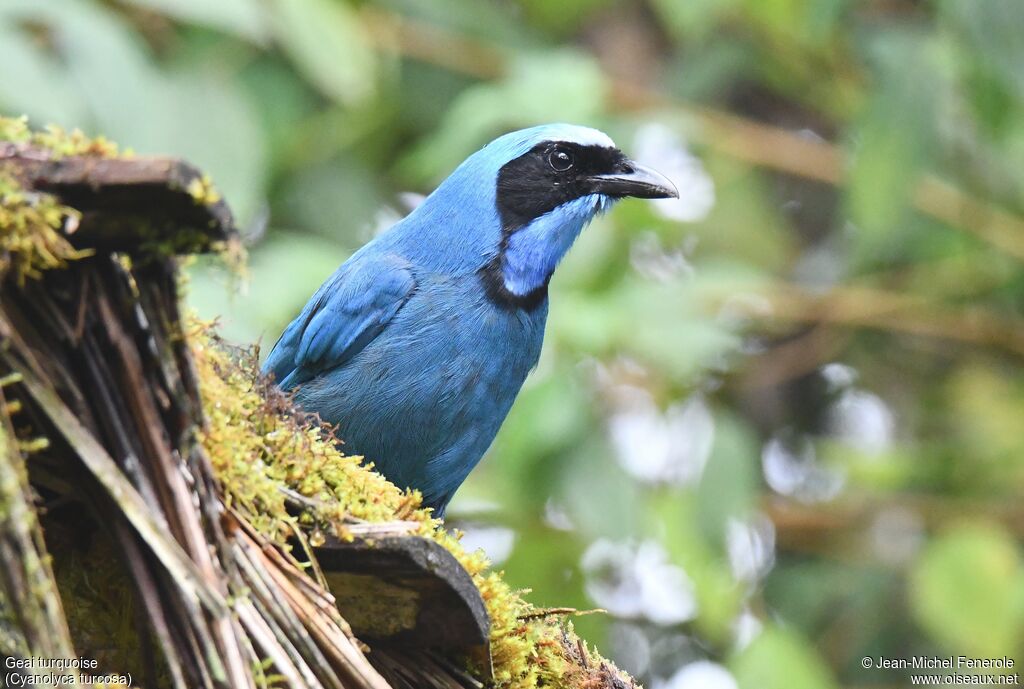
(751,547)
(652,260)
(863,420)
(410,200)
(638,581)
(838,376)
(496,541)
(667,594)
(556,516)
(702,674)
(797,473)
(610,579)
(660,148)
(745,629)
(661,447)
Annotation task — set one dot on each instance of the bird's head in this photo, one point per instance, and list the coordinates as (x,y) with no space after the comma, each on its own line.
(528,194)
(546,168)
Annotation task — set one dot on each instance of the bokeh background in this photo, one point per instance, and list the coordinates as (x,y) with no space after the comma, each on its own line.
(778,424)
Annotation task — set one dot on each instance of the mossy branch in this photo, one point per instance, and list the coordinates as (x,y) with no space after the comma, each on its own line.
(208,496)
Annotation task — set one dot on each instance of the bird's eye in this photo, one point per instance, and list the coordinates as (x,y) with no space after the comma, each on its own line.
(560,160)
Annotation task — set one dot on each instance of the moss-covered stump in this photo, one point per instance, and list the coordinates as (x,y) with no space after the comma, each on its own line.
(197,520)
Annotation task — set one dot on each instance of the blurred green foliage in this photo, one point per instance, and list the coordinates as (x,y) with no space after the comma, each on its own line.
(779,425)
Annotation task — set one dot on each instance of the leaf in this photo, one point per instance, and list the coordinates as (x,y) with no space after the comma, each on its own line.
(719,599)
(243,18)
(779,659)
(339,199)
(895,138)
(692,18)
(986,405)
(967,590)
(327,43)
(561,17)
(745,224)
(728,488)
(491,22)
(226,142)
(560,86)
(32,83)
(550,416)
(992,29)
(102,57)
(198,114)
(284,271)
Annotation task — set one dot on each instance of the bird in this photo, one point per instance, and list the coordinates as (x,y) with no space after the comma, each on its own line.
(417,346)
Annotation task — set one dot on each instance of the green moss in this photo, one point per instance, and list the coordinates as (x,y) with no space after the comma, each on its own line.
(33,231)
(260,446)
(203,192)
(34,226)
(153,242)
(59,142)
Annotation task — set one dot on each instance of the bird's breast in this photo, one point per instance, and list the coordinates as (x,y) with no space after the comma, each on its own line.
(425,399)
(450,357)
(484,342)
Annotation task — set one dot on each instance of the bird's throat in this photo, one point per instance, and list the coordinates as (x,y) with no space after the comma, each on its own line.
(510,295)
(529,254)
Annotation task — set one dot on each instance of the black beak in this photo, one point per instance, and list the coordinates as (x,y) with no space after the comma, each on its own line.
(634,180)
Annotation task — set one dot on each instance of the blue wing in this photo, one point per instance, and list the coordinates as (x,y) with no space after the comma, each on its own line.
(350,309)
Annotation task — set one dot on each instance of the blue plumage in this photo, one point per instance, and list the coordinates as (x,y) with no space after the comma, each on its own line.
(417,346)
